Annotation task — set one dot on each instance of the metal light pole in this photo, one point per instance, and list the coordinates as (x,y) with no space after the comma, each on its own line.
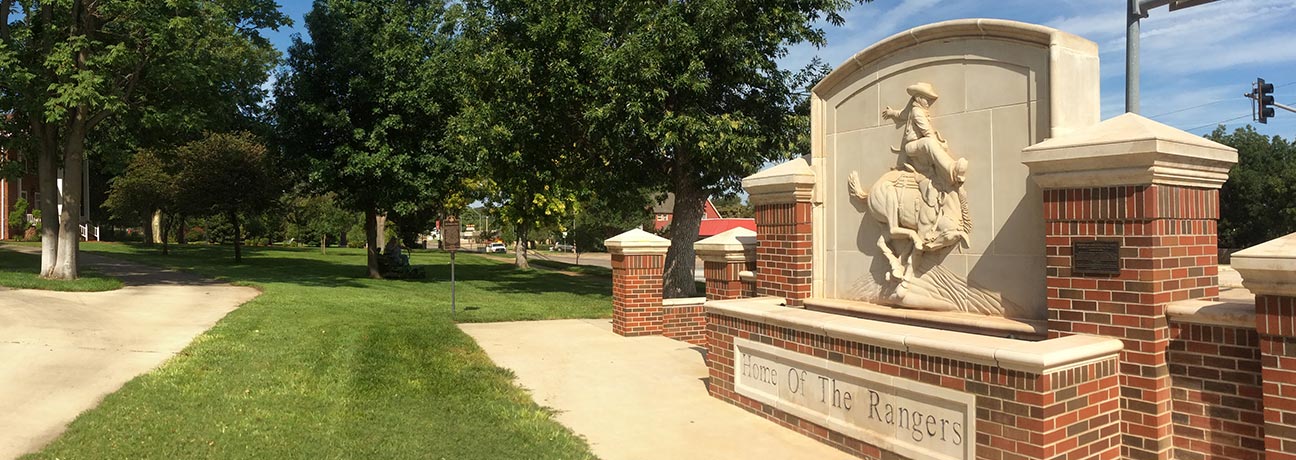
(1136,11)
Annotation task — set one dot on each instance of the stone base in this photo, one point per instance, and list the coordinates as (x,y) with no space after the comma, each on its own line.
(1010,398)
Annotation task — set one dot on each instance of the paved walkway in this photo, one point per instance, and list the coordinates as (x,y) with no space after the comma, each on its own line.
(633,398)
(61,353)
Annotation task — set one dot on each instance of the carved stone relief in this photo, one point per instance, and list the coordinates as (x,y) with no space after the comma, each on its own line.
(922,210)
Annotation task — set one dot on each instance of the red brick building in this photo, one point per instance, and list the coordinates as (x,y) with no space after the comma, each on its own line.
(712,222)
(10,192)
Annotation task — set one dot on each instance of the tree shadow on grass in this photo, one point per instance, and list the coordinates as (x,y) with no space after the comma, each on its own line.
(510,280)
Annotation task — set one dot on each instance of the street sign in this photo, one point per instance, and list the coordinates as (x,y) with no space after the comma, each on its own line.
(450,233)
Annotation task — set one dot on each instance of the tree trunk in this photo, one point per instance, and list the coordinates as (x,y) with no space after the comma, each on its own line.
(49,199)
(371,242)
(148,230)
(324,243)
(238,237)
(181,236)
(684,226)
(70,218)
(166,230)
(382,230)
(521,247)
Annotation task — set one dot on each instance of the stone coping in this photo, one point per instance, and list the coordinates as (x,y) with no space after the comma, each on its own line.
(1269,268)
(637,241)
(787,182)
(964,322)
(683,301)
(1037,357)
(747,275)
(973,27)
(1213,313)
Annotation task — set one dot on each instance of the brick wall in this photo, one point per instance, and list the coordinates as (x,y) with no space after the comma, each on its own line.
(1216,394)
(1276,327)
(722,280)
(637,294)
(1167,236)
(783,251)
(1070,413)
(686,323)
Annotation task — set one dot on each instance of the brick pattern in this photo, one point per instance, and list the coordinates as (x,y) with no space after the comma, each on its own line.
(1216,393)
(1168,253)
(722,280)
(637,294)
(1274,320)
(1069,414)
(783,251)
(686,323)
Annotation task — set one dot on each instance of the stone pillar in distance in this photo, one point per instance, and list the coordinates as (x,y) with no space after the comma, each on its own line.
(1130,210)
(724,256)
(1269,271)
(638,258)
(782,198)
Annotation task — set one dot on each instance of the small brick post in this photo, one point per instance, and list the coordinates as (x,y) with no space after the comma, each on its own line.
(637,261)
(724,256)
(1153,191)
(1269,271)
(782,198)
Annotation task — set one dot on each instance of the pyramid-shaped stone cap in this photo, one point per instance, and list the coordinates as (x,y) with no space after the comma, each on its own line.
(637,241)
(1269,268)
(737,244)
(1129,150)
(787,182)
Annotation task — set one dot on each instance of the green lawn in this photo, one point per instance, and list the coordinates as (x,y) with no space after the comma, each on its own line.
(326,364)
(18,271)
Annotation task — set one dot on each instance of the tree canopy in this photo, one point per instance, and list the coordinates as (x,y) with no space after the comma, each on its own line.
(165,69)
(226,174)
(1258,202)
(362,106)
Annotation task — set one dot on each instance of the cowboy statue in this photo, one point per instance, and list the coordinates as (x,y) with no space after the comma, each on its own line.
(945,220)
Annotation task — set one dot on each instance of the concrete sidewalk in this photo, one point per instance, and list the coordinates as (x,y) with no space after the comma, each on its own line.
(61,353)
(634,398)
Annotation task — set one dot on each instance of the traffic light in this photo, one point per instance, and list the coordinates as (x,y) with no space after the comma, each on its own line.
(1264,99)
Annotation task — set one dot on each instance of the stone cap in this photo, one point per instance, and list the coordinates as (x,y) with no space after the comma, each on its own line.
(1021,355)
(637,241)
(1269,268)
(787,182)
(737,244)
(1129,150)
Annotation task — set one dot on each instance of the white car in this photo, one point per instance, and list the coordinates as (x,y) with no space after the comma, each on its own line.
(496,247)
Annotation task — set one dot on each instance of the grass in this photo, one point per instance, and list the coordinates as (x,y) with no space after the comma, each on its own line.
(326,364)
(19,271)
(589,270)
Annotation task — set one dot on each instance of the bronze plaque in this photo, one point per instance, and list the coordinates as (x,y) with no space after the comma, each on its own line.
(1095,258)
(450,233)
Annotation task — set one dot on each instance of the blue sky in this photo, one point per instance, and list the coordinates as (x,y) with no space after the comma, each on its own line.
(1196,63)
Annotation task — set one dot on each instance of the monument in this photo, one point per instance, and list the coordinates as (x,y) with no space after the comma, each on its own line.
(969,264)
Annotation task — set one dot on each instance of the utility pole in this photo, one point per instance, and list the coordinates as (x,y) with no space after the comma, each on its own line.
(1136,11)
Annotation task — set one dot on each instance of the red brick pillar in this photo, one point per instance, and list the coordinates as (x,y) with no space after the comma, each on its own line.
(637,261)
(1269,271)
(782,198)
(1130,208)
(724,256)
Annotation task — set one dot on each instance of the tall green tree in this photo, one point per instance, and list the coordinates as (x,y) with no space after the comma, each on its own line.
(1258,202)
(363,105)
(528,67)
(227,175)
(692,96)
(67,66)
(148,186)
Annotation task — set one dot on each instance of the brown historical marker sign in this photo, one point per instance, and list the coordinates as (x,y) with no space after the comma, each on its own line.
(450,233)
(1095,258)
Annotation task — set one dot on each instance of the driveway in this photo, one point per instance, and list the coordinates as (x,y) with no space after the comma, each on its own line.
(61,353)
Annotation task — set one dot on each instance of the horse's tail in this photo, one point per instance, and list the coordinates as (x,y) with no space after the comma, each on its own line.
(896,149)
(853,184)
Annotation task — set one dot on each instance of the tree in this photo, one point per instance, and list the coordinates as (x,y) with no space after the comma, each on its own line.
(364,105)
(322,216)
(226,175)
(148,186)
(68,66)
(1258,202)
(527,121)
(695,99)
(732,206)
